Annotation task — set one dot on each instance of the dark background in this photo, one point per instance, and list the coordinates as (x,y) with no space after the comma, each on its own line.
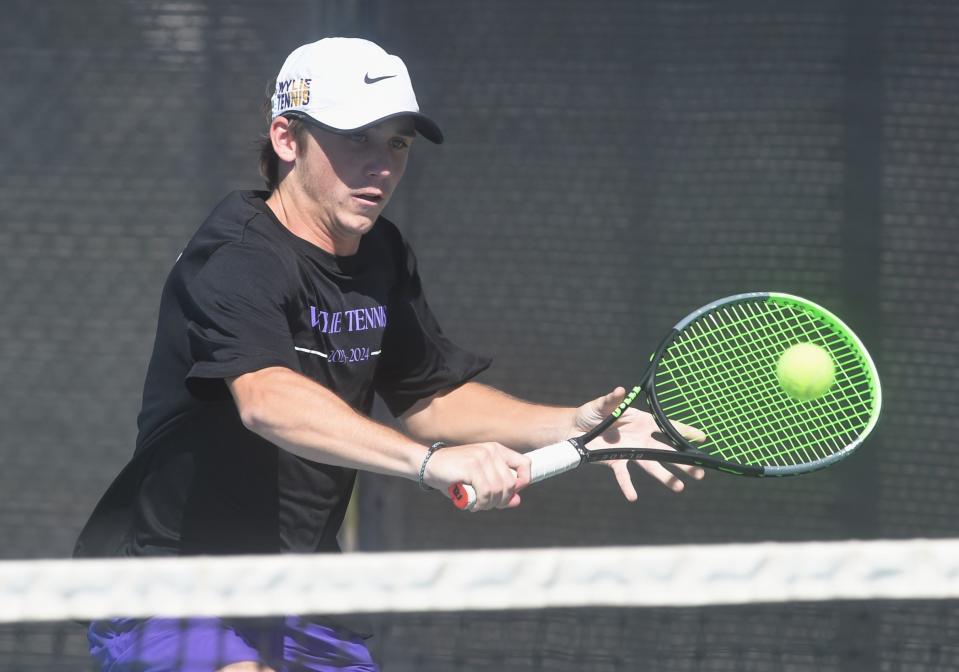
(609,166)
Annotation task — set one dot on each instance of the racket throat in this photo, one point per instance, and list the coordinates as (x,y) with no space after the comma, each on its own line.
(580,446)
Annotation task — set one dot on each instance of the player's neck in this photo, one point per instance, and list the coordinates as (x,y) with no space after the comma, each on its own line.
(311,224)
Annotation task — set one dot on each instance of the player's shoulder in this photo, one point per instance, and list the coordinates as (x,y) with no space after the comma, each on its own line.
(241,217)
(236,233)
(242,220)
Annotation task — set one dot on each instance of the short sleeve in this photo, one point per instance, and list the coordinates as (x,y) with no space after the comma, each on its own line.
(418,359)
(236,320)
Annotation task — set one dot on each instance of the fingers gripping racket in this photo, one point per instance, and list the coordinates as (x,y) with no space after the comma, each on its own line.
(717,372)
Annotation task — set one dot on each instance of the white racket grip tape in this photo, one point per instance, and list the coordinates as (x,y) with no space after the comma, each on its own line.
(544,463)
(551,460)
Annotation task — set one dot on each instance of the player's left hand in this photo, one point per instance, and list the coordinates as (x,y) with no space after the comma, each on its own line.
(634,428)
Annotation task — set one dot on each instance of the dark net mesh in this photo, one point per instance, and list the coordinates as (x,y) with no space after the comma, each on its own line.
(609,166)
(897,636)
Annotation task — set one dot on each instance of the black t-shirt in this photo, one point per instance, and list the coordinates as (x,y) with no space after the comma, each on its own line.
(247,294)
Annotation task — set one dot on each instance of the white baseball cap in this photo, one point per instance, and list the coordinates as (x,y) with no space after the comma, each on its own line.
(348,84)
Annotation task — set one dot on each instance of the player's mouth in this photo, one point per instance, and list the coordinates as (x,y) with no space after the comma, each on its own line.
(369,197)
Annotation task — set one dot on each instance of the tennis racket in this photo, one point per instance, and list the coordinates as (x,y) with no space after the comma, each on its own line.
(716,371)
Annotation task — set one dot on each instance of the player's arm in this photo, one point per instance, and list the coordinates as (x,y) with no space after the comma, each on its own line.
(476,412)
(303,417)
(473,412)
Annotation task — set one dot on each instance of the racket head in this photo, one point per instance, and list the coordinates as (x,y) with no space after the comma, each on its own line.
(717,372)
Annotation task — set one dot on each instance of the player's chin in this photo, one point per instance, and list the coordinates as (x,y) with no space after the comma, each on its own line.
(361,223)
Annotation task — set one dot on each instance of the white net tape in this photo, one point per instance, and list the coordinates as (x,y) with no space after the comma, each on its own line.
(692,575)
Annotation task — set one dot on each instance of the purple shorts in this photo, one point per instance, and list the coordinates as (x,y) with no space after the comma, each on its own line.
(290,644)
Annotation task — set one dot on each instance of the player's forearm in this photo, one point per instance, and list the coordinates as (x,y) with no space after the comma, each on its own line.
(475,412)
(308,420)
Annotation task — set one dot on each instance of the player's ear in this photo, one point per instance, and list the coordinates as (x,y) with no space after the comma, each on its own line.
(283,138)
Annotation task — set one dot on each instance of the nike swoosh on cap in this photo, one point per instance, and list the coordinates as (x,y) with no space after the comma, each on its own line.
(374,80)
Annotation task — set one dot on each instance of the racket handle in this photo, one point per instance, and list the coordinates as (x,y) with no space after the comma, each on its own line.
(544,463)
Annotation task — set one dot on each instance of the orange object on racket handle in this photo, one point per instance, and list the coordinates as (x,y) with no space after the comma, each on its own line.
(463,496)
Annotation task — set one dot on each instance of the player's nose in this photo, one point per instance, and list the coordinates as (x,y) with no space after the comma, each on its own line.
(380,165)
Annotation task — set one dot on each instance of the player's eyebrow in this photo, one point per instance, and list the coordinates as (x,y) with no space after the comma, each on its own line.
(407,129)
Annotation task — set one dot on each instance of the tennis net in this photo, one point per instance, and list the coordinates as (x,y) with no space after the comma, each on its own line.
(857,605)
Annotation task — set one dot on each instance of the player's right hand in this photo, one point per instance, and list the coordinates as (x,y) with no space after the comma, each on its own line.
(495,472)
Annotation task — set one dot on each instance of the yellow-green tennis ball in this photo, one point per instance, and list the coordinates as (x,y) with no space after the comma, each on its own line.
(805,371)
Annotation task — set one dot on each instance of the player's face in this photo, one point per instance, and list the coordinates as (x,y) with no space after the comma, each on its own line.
(350,178)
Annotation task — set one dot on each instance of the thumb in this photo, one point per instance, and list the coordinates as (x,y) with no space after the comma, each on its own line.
(599,408)
(611,401)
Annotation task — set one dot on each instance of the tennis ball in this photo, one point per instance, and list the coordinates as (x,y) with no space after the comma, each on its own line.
(805,371)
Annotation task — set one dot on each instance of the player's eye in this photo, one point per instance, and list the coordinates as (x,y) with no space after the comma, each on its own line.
(399,143)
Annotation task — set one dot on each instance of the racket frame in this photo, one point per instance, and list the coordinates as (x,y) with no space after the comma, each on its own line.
(687,452)
(648,387)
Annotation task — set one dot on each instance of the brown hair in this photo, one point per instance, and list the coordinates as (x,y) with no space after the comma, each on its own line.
(269,161)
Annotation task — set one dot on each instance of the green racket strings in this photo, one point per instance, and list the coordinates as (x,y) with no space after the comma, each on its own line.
(719,375)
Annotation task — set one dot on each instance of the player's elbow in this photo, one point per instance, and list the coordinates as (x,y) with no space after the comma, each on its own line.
(250,416)
(251,412)
(251,398)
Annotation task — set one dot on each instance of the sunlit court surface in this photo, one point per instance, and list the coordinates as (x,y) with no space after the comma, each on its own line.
(606,169)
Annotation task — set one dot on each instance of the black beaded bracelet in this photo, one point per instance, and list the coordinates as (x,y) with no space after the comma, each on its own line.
(429,453)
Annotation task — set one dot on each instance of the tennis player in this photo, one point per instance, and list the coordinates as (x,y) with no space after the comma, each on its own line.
(287,311)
